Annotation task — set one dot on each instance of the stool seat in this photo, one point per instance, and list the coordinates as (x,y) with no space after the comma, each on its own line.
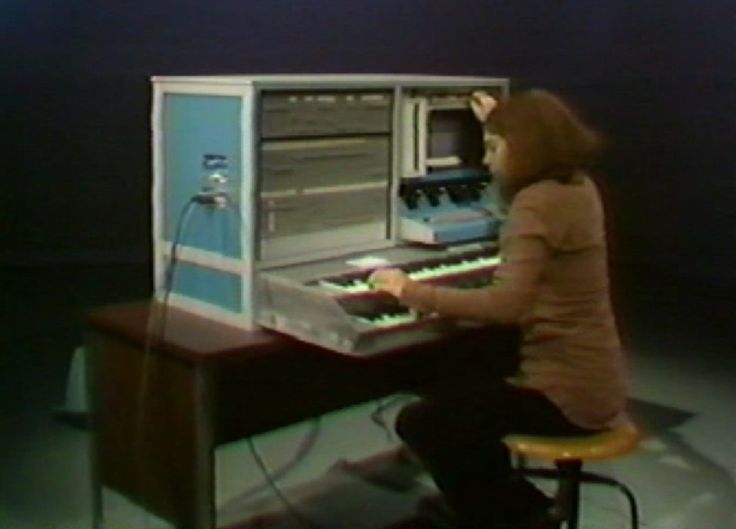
(604,445)
(568,455)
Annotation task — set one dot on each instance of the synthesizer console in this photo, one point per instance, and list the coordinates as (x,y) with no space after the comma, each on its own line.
(304,184)
(332,305)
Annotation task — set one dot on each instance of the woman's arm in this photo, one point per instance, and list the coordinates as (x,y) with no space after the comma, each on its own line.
(525,249)
(512,293)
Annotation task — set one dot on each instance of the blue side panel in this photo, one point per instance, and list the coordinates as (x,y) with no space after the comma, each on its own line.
(195,126)
(222,289)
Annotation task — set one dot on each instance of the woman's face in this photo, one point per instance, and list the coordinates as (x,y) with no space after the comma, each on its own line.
(496,154)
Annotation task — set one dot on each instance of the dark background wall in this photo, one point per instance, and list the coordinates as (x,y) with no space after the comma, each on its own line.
(658,78)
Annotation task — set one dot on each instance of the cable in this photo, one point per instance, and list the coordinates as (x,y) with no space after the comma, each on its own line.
(168,283)
(293,511)
(381,406)
(156,311)
(168,276)
(378,419)
(160,312)
(306,445)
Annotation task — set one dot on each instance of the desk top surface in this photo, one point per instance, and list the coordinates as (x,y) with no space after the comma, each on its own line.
(195,339)
(183,334)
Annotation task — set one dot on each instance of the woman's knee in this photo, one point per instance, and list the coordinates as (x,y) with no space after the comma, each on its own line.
(416,421)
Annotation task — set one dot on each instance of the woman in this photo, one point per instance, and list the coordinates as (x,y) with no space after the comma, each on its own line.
(553,284)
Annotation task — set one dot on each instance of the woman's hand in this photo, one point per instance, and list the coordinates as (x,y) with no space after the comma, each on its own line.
(391,280)
(482,105)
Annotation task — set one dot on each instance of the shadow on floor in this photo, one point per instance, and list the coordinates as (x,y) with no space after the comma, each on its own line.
(342,498)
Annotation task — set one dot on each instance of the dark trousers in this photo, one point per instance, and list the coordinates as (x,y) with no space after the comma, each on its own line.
(456,432)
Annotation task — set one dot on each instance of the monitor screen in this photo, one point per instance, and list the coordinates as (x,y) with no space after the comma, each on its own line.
(454,133)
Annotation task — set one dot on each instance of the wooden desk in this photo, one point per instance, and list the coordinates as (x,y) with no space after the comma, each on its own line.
(158,416)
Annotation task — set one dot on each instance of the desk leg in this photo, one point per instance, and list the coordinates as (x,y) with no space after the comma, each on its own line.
(98,512)
(96,489)
(153,435)
(204,515)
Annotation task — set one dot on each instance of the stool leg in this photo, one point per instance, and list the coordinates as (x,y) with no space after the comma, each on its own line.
(632,506)
(568,492)
(587,477)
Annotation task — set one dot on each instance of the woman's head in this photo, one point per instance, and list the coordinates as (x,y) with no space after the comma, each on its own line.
(534,136)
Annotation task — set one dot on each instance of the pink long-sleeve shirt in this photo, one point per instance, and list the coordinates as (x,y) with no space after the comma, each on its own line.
(553,283)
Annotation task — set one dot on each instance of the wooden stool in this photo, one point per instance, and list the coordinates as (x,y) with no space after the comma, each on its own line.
(568,454)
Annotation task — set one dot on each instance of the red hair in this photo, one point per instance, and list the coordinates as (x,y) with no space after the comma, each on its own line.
(545,139)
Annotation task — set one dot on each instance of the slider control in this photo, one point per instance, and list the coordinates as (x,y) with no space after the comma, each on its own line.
(410,198)
(433,196)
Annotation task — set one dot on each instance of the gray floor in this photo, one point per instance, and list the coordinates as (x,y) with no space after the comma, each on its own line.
(683,368)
